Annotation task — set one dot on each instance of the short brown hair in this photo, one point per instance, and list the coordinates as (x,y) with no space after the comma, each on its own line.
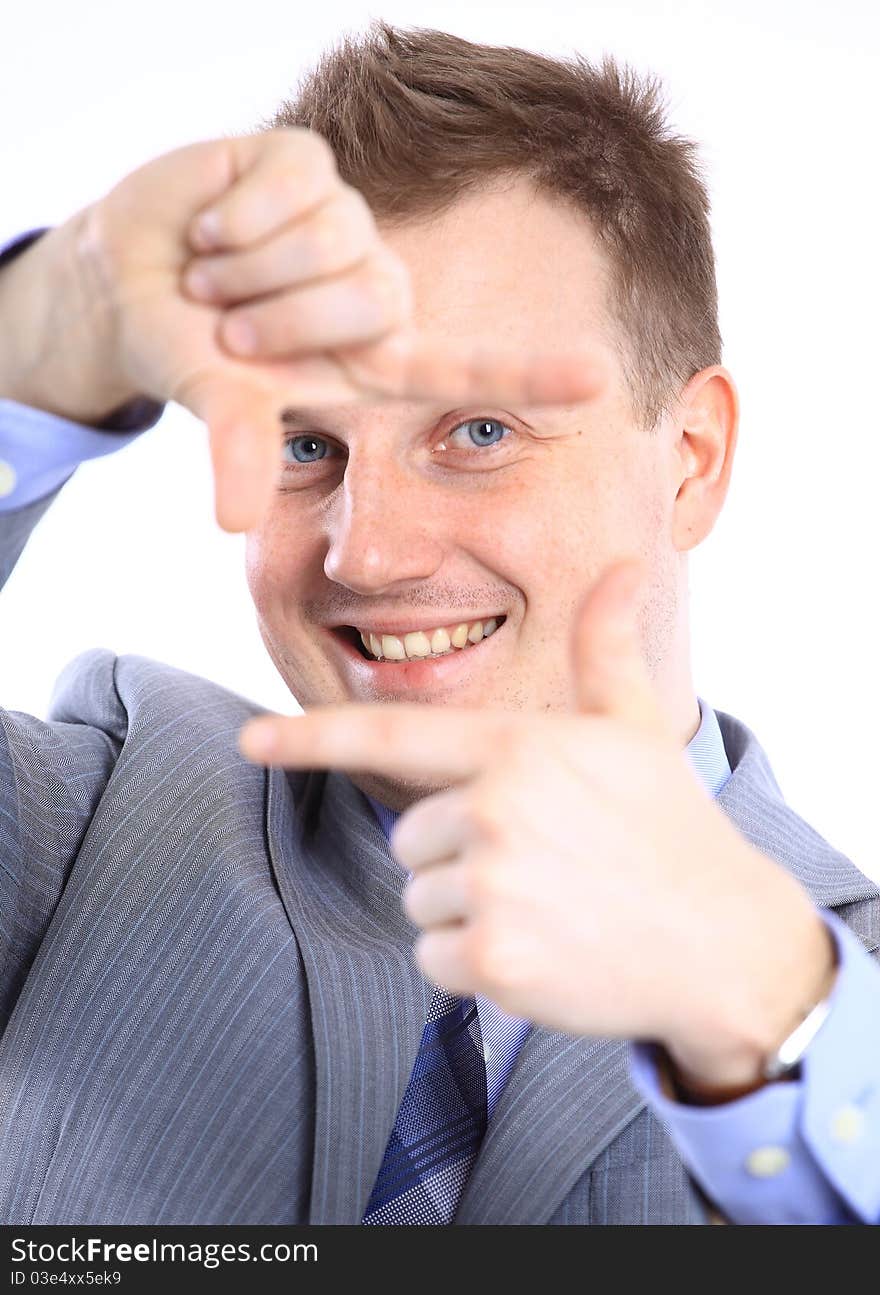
(418,118)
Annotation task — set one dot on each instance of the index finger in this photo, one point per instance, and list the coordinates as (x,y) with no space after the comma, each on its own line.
(416,366)
(398,739)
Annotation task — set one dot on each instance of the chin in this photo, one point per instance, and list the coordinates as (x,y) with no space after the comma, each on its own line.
(397,794)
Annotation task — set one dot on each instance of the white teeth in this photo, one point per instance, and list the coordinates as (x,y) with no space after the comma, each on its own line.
(417,644)
(392,648)
(440,641)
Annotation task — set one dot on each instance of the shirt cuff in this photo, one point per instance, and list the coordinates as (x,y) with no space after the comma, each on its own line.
(39,452)
(20,243)
(801,1151)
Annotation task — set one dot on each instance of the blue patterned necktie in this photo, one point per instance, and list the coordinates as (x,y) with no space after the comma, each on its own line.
(441,1121)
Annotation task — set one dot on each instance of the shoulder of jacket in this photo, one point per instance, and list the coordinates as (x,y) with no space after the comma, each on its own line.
(144,689)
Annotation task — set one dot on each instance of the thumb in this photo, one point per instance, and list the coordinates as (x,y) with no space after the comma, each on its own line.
(611,676)
(243,417)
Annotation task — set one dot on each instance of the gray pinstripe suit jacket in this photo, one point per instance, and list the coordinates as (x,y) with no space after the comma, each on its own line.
(208,1001)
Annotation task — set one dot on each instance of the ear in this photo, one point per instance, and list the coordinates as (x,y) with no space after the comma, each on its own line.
(707,420)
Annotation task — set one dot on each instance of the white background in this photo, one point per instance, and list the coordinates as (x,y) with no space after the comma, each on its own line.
(781,96)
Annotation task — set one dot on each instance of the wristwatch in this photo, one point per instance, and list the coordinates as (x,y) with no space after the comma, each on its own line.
(788,1055)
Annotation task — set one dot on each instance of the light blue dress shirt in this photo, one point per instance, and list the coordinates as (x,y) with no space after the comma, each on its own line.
(826,1124)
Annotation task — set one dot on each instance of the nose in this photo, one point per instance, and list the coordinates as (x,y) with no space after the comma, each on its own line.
(385,527)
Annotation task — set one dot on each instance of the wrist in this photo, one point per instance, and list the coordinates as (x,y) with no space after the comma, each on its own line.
(736,1057)
(57,330)
(682,1086)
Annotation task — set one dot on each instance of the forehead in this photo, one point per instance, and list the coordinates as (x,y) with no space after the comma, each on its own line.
(508,262)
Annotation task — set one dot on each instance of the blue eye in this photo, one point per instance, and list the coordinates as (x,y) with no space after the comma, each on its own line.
(307,444)
(482,430)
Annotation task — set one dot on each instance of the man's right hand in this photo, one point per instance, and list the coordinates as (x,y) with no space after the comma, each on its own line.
(107,307)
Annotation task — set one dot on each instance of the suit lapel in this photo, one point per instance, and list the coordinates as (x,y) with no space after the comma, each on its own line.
(342,891)
(566,1099)
(752,799)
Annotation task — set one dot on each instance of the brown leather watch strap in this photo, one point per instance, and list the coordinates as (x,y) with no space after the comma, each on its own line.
(693,1093)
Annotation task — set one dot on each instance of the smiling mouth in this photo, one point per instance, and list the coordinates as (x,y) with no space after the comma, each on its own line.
(392,649)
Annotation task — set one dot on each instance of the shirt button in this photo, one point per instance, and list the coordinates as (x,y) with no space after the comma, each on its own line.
(7,478)
(767,1162)
(847,1124)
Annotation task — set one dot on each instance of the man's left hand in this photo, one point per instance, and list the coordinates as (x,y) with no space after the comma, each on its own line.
(576,871)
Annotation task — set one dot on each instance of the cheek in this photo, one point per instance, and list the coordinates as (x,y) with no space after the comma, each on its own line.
(630,511)
(565,534)
(565,521)
(255,567)
(273,569)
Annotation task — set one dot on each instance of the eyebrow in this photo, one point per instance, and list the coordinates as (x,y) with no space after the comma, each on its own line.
(289,414)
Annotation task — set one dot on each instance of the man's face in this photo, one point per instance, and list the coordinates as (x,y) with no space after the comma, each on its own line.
(402,517)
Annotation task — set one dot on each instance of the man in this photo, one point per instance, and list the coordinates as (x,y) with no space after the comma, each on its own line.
(216,1003)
